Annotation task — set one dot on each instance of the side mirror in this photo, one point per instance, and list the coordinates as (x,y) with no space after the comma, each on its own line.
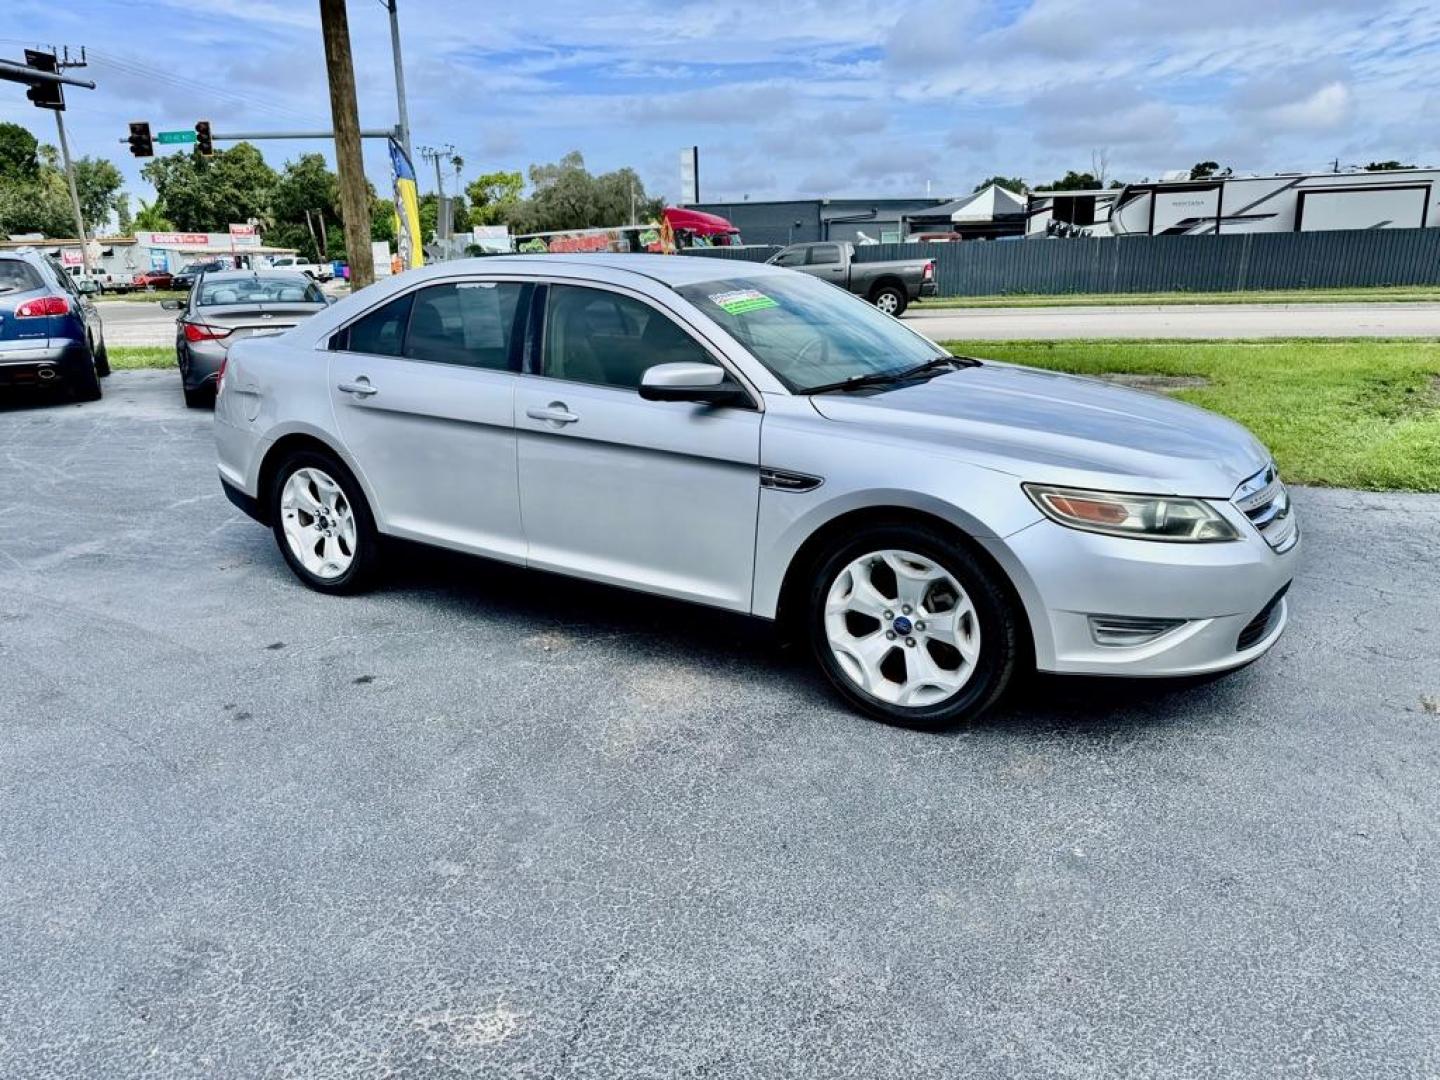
(171,305)
(705,383)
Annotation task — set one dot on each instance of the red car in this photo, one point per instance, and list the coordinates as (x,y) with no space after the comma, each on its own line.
(152,279)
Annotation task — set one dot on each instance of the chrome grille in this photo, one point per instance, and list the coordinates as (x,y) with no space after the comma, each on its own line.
(1265,500)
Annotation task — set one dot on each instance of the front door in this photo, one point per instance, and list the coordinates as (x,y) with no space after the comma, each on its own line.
(423,389)
(658,495)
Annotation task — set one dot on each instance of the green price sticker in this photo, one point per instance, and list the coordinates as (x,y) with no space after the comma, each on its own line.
(742,301)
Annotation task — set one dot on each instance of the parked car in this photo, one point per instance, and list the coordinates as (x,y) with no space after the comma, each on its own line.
(740,436)
(318,271)
(152,279)
(229,306)
(50,333)
(890,284)
(185,279)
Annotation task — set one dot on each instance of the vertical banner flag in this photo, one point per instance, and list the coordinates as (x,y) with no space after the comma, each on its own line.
(407,209)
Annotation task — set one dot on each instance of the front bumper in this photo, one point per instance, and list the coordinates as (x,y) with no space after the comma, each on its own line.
(1218,590)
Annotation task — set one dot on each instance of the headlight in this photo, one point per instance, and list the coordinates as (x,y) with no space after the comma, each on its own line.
(1142,517)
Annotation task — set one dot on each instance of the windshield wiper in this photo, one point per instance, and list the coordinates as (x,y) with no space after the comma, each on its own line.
(883,378)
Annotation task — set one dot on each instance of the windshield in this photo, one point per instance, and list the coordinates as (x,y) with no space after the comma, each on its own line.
(259,290)
(807,331)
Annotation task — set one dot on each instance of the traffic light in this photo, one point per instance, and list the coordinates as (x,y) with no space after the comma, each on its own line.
(203,144)
(141,144)
(44,95)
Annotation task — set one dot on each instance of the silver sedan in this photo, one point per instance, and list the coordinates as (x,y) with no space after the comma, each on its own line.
(750,438)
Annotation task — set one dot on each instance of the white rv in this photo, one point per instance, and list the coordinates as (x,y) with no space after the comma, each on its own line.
(1313,202)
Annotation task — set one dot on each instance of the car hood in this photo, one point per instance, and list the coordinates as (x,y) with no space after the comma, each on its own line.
(1062,429)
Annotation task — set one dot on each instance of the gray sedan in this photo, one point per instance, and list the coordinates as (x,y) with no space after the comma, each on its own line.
(229,306)
(749,438)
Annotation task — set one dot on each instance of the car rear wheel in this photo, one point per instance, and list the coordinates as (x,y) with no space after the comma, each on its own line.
(890,299)
(102,361)
(911,628)
(84,382)
(201,397)
(323,524)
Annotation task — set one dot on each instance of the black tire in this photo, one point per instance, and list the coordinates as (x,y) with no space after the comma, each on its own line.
(102,361)
(365,562)
(999,626)
(887,295)
(202,397)
(84,381)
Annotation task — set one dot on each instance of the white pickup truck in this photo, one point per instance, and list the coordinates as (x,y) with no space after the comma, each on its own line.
(318,271)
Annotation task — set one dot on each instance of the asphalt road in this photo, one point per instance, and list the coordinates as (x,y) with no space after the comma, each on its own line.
(145,324)
(488,823)
(1181,321)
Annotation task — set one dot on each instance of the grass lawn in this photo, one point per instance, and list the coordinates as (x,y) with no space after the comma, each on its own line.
(1359,413)
(1387,294)
(133,357)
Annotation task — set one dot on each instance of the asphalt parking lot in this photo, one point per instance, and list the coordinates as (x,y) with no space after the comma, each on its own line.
(485,823)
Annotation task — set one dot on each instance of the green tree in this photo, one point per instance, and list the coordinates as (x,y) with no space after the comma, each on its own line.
(306,184)
(1381,166)
(493,196)
(567,196)
(430,213)
(151,217)
(208,194)
(1073,181)
(1009,183)
(98,183)
(19,155)
(124,222)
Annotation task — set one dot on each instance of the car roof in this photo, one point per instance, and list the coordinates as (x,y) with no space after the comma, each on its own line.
(672,270)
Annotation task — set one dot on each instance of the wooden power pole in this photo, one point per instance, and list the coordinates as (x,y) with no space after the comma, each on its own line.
(345,114)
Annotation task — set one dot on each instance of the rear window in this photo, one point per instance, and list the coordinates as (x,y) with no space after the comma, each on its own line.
(18,276)
(259,290)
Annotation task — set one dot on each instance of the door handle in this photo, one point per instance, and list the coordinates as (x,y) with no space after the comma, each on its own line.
(556,413)
(360,387)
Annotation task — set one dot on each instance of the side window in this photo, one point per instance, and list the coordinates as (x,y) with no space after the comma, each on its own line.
(824,255)
(594,336)
(381,333)
(469,323)
(793,257)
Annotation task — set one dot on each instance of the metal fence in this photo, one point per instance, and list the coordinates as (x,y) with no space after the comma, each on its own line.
(1142,264)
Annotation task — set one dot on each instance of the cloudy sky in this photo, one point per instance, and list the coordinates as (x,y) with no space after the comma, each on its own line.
(783,97)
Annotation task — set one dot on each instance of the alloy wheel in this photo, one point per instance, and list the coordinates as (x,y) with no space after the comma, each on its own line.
(319,523)
(902,629)
(887,302)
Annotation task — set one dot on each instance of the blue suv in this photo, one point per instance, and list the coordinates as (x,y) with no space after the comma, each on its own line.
(50,335)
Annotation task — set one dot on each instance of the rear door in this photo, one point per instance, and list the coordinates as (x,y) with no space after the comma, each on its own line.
(661,495)
(423,390)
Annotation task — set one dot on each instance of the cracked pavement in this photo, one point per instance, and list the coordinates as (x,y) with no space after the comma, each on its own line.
(489,823)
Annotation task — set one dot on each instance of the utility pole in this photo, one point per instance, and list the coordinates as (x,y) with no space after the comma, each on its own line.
(444,220)
(400,104)
(63,65)
(345,115)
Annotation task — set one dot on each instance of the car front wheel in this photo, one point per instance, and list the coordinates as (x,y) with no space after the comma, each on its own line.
(911,627)
(323,525)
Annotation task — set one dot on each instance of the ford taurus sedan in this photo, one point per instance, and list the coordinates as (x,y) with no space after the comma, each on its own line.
(749,438)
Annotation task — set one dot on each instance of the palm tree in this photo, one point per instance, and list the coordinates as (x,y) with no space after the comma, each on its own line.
(151,217)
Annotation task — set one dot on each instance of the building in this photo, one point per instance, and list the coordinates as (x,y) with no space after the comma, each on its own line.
(125,256)
(1288,202)
(807,220)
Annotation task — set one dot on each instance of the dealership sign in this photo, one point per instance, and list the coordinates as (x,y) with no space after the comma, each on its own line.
(180,239)
(71,257)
